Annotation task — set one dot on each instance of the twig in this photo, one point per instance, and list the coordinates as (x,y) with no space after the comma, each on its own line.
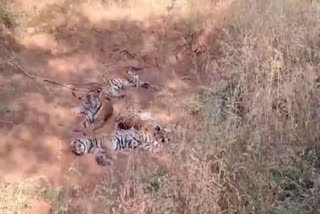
(6,121)
(69,86)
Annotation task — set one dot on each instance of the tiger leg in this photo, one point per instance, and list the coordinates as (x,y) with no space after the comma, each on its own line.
(97,125)
(76,96)
(102,160)
(83,126)
(82,110)
(143,85)
(117,93)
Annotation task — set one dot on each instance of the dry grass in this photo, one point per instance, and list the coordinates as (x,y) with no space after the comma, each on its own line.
(16,197)
(266,113)
(13,198)
(7,15)
(258,151)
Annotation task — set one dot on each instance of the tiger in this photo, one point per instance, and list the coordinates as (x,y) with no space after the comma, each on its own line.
(92,145)
(128,79)
(96,110)
(113,88)
(139,121)
(128,121)
(153,135)
(121,140)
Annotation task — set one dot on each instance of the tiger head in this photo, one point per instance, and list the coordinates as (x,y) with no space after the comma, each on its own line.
(102,93)
(133,76)
(89,101)
(161,134)
(98,91)
(93,97)
(78,147)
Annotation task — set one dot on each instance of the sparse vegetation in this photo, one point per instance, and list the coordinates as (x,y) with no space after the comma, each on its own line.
(12,198)
(55,196)
(195,105)
(15,197)
(267,110)
(4,109)
(7,16)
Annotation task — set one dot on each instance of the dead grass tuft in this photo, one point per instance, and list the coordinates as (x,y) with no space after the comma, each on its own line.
(17,197)
(7,15)
(266,112)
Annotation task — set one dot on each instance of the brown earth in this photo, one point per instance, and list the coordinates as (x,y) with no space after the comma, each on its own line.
(36,121)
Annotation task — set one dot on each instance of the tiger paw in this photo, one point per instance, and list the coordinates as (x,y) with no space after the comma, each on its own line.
(102,160)
(145,85)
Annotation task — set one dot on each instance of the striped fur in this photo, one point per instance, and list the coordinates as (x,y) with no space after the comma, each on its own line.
(92,145)
(91,102)
(96,110)
(141,123)
(126,139)
(129,79)
(143,138)
(120,140)
(129,121)
(113,87)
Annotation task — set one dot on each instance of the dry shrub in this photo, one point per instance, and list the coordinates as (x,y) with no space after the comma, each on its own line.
(267,109)
(257,152)
(7,15)
(189,189)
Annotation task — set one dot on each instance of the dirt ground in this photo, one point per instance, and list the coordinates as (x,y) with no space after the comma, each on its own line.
(36,121)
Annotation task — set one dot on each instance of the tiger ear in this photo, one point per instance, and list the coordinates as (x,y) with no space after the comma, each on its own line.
(157,128)
(99,89)
(121,125)
(117,117)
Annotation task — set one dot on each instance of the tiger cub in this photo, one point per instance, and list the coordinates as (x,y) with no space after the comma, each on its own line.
(120,140)
(96,110)
(113,87)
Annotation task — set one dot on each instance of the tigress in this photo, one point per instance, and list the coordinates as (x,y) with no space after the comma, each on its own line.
(96,110)
(113,87)
(120,140)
